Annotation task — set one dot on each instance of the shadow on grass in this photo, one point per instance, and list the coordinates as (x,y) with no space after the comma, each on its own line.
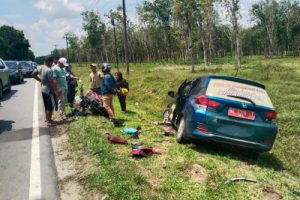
(129,112)
(264,160)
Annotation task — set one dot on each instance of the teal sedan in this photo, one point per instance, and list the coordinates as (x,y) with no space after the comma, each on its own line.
(224,109)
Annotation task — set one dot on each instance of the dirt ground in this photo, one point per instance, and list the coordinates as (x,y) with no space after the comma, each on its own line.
(70,189)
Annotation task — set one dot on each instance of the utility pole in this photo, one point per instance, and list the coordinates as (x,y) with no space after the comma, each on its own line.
(55,50)
(125,37)
(66,36)
(115,38)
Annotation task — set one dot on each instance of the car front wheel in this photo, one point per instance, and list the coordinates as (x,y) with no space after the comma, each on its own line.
(181,132)
(9,86)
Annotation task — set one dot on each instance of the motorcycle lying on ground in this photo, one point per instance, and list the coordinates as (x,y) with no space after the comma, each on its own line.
(90,101)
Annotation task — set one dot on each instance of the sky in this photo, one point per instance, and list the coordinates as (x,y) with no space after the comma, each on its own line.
(45,22)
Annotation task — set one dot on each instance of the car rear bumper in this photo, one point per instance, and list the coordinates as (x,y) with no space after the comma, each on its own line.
(229,140)
(27,74)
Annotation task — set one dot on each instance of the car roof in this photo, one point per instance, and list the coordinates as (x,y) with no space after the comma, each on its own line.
(236,79)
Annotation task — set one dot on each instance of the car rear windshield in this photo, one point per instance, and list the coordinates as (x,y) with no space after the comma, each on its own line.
(11,65)
(237,91)
(26,65)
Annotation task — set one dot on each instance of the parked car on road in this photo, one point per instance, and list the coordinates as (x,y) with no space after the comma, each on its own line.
(224,109)
(15,71)
(27,68)
(5,83)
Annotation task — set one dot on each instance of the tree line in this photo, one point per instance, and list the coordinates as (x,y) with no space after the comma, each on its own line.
(14,45)
(189,31)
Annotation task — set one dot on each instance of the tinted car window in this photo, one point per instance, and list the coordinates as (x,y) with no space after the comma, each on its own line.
(26,65)
(199,87)
(186,89)
(11,65)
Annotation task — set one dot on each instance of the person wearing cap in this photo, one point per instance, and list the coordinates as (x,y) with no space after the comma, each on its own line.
(59,75)
(49,88)
(96,79)
(108,90)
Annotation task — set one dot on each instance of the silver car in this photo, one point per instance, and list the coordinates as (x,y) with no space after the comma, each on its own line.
(4,79)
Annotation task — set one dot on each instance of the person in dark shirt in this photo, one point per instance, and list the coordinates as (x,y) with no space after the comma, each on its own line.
(108,90)
(72,84)
(122,90)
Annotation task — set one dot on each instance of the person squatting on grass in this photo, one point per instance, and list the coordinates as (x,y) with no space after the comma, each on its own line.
(96,79)
(59,75)
(122,90)
(50,90)
(72,84)
(108,90)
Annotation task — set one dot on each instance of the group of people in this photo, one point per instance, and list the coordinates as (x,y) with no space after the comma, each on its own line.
(58,85)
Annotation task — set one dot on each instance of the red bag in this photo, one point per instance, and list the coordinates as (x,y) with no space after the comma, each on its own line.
(113,139)
(143,151)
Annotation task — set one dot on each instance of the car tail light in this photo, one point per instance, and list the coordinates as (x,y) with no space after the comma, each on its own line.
(266,142)
(205,101)
(271,115)
(202,128)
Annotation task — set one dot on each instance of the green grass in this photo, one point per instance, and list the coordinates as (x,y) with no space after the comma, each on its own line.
(123,177)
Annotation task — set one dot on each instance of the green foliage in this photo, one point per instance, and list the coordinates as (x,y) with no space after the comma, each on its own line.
(95,28)
(14,45)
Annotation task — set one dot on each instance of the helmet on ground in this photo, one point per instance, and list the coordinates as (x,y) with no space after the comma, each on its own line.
(105,67)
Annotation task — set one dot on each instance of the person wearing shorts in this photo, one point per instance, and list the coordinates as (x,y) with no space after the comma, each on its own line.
(49,88)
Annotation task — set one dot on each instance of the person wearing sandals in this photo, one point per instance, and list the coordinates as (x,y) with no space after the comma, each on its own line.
(49,88)
(122,90)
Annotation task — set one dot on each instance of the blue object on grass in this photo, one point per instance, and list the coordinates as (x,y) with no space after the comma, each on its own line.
(130,131)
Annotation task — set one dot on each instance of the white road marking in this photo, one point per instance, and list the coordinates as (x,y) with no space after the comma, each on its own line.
(35,188)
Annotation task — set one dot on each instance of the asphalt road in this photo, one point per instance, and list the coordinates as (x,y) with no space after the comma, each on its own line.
(27,168)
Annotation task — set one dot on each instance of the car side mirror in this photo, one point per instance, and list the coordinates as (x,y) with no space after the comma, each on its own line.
(171,94)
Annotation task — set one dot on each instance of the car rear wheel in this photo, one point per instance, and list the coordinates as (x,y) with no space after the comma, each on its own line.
(181,132)
(20,80)
(1,90)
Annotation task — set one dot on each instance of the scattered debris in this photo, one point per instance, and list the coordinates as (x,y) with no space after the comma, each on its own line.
(240,179)
(141,151)
(98,153)
(154,122)
(133,132)
(136,145)
(113,139)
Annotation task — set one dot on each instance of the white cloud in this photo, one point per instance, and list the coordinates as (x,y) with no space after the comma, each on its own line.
(55,9)
(44,34)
